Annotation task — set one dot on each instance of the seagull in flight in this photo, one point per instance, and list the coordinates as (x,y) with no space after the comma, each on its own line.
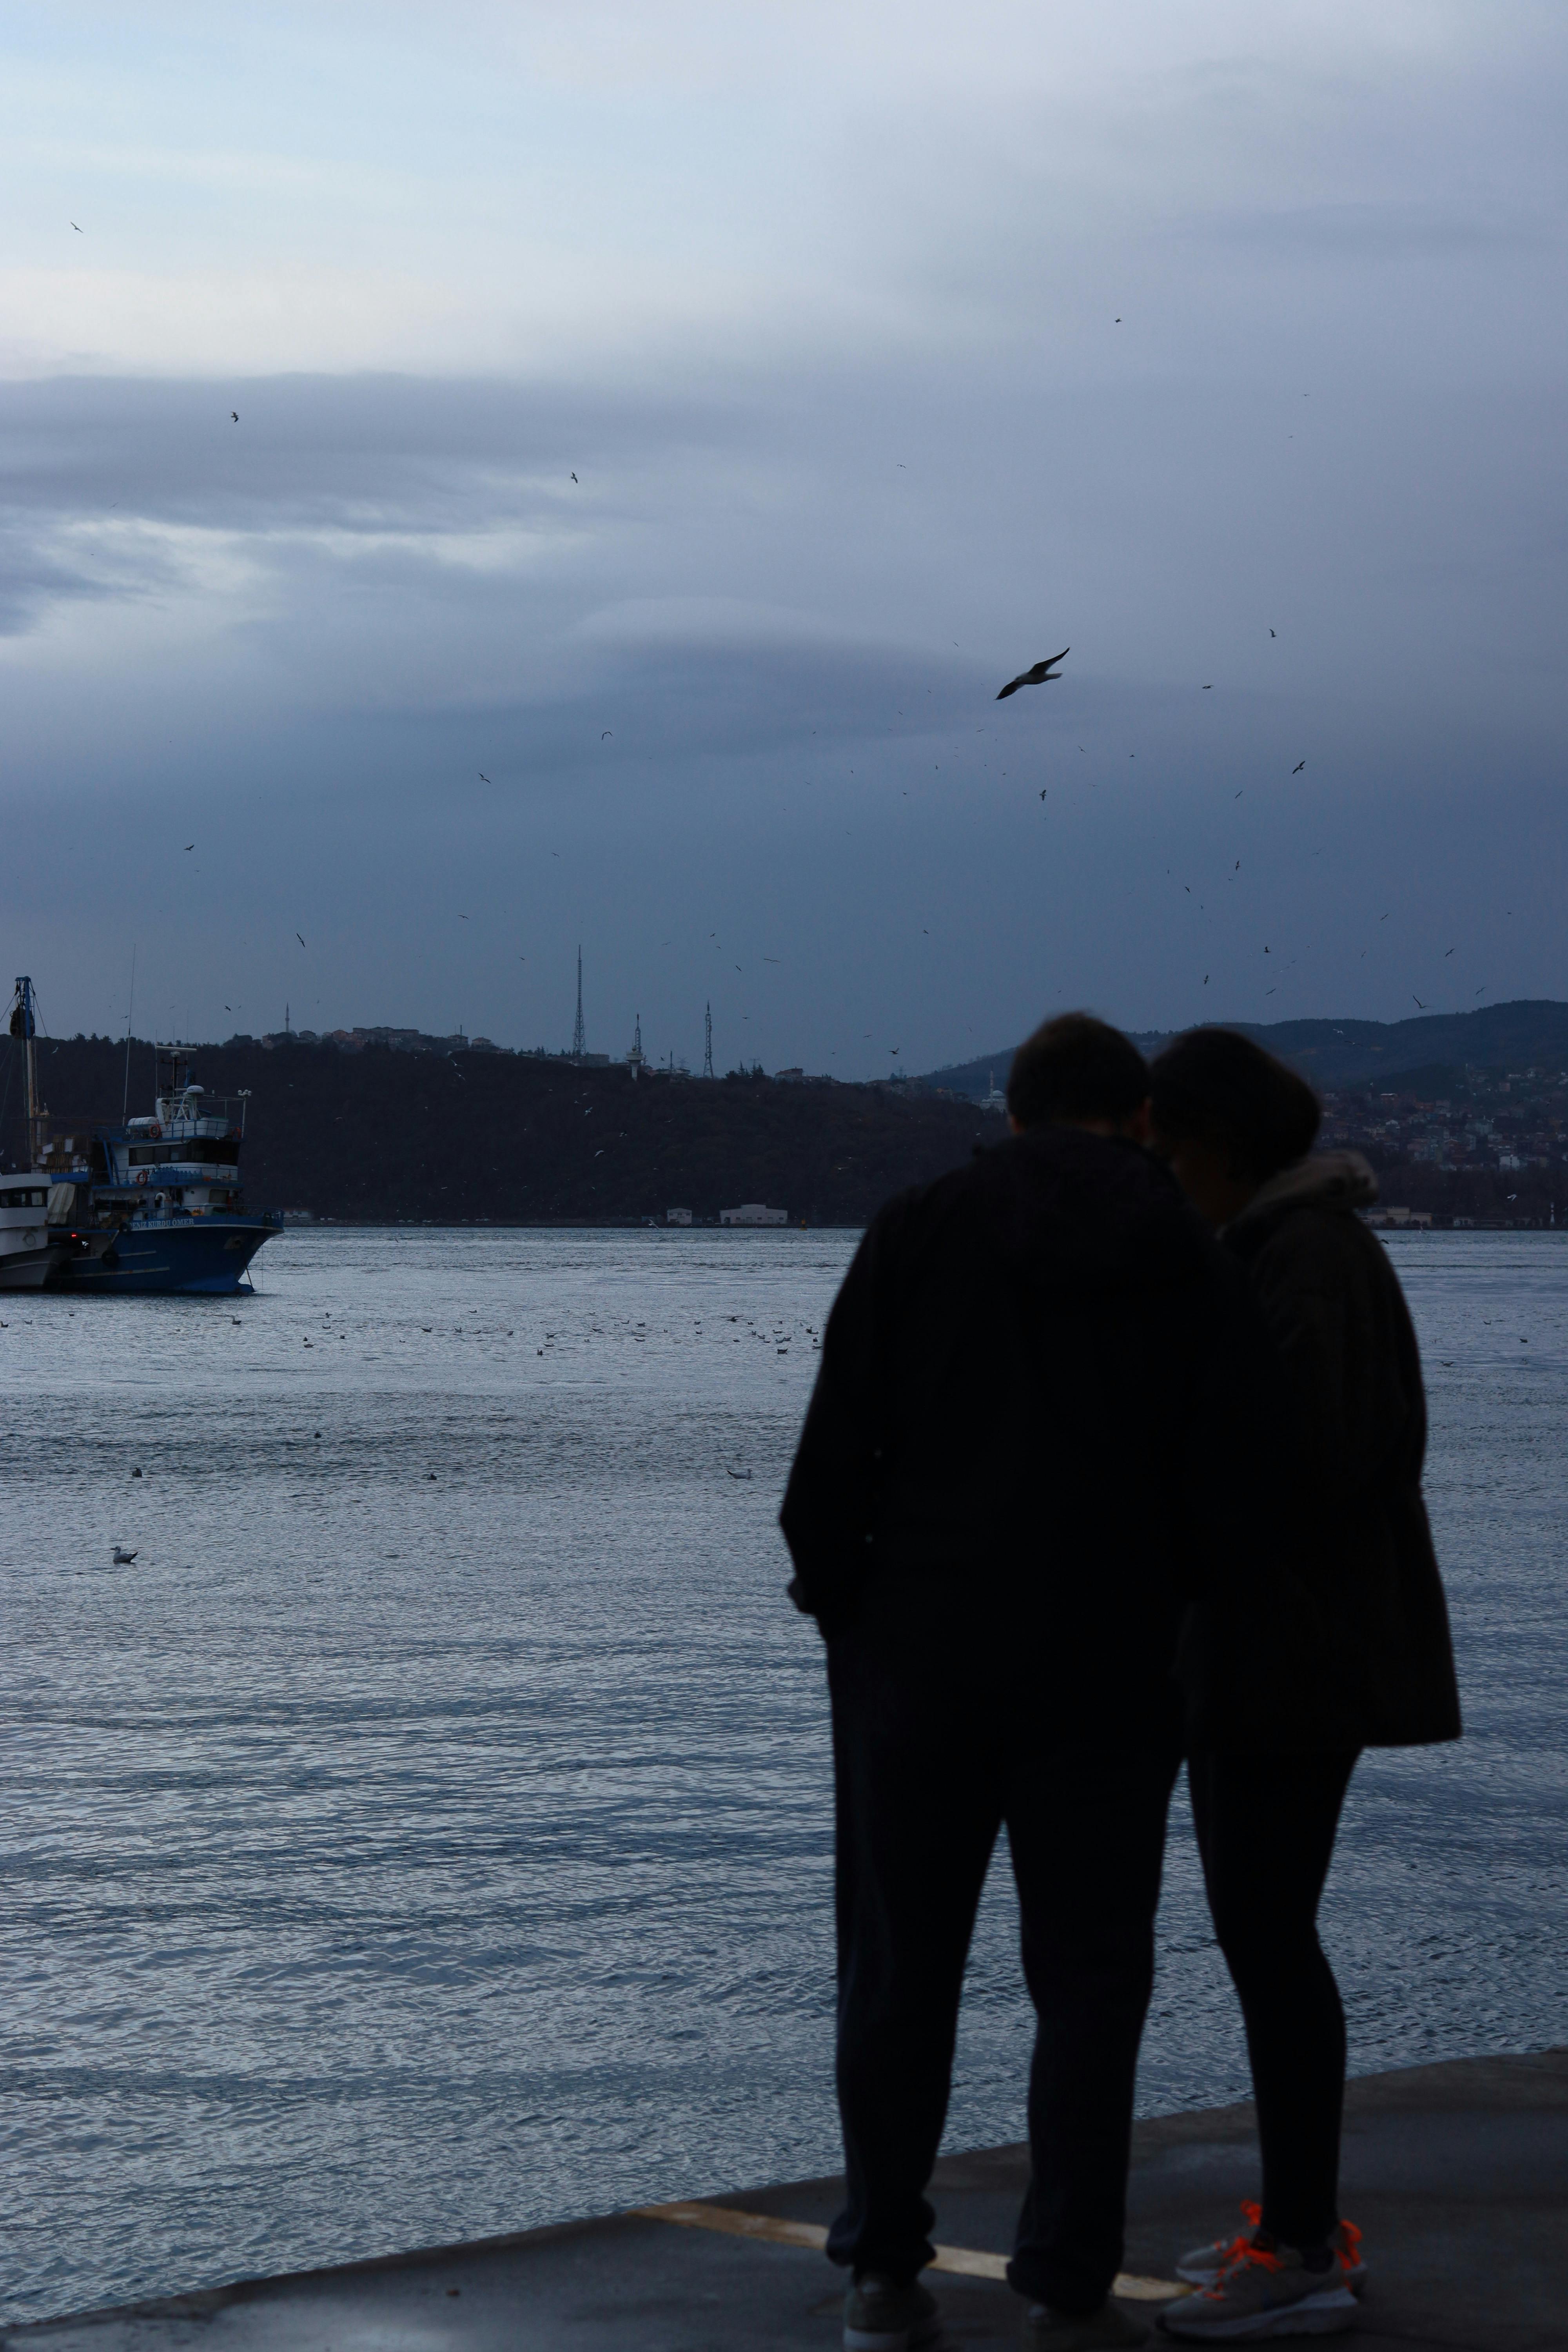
(234,413)
(575,478)
(301,937)
(609,730)
(481,775)
(79,230)
(1415,999)
(1043,674)
(190,846)
(1297,768)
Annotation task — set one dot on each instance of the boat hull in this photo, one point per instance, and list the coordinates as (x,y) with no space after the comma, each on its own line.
(183,1257)
(32,1269)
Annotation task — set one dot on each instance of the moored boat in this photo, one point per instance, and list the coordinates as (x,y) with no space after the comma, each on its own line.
(151,1205)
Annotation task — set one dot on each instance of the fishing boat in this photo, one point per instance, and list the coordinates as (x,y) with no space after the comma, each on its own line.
(154,1204)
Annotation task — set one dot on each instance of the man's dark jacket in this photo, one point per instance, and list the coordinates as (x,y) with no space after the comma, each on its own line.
(1041,1381)
(1340,1636)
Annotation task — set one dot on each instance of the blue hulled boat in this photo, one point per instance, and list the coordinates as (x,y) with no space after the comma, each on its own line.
(168,1186)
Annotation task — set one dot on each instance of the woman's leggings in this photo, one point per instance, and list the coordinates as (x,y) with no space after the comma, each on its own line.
(1266,1832)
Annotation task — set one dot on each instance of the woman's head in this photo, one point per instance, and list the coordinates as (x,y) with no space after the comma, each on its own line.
(1228,1117)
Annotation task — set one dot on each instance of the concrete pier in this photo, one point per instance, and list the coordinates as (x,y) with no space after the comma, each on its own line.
(1457,2174)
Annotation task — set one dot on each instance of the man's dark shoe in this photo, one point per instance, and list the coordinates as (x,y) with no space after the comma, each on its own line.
(879,2315)
(1105,2330)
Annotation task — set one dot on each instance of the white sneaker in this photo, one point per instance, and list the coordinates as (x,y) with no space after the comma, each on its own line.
(1263,2292)
(1204,2263)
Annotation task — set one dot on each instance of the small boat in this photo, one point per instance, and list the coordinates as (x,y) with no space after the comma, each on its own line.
(30,1260)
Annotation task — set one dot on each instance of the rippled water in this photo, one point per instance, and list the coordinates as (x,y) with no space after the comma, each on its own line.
(428,1834)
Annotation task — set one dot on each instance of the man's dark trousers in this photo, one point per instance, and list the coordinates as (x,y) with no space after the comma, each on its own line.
(941,1734)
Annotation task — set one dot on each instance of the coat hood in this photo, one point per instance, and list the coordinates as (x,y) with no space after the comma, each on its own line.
(1324,1180)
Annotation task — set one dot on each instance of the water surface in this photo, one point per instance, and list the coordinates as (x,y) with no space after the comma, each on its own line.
(428,1834)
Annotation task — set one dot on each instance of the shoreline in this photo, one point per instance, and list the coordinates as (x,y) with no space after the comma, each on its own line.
(1456,2170)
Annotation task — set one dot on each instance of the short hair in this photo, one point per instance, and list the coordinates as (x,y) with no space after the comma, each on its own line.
(1076,1067)
(1216,1086)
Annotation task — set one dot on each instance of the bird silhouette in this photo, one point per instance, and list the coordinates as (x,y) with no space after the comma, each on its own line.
(1043,795)
(609,730)
(1043,674)
(575,478)
(81,232)
(1274,633)
(234,415)
(301,937)
(481,775)
(190,844)
(1297,768)
(1415,999)
(122,1559)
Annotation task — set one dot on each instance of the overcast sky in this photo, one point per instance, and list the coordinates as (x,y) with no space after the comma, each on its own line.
(892,347)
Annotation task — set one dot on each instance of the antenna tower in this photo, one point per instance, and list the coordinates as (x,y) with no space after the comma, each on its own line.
(708,1041)
(579,1038)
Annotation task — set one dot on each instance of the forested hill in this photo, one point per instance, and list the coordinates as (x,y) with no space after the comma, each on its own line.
(1531,1030)
(382,1136)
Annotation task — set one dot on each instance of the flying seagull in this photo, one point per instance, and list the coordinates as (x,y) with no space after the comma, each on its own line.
(575,478)
(234,413)
(301,937)
(609,730)
(481,775)
(1297,768)
(1043,674)
(1043,794)
(81,232)
(1415,999)
(190,844)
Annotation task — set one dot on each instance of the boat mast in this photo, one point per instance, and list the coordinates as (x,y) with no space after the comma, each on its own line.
(25,1024)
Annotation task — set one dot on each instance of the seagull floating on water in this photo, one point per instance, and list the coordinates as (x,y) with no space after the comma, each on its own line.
(122,1559)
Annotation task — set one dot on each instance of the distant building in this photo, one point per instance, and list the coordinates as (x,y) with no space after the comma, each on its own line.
(994,1099)
(753,1213)
(678,1216)
(789,1077)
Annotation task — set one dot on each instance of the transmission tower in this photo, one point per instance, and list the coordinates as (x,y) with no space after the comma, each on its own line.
(579,1040)
(708,1042)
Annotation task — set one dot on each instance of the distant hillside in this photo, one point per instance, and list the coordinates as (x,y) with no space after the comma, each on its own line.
(1531,1033)
(380,1136)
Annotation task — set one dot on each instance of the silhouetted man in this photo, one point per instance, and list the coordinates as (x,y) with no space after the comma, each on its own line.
(1019,1447)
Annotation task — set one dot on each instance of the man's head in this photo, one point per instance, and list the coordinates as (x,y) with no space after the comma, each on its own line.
(1075,1071)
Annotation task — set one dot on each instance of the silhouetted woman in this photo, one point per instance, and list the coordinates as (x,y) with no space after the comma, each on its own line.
(1336,1640)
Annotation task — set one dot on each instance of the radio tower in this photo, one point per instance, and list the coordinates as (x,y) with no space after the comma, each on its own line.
(579,1041)
(708,1041)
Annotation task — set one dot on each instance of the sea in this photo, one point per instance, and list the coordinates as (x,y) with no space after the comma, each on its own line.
(428,1833)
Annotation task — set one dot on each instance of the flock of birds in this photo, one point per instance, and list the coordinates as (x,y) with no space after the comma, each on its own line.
(1045,672)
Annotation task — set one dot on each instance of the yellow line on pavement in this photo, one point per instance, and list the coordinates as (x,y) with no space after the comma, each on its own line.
(962,2260)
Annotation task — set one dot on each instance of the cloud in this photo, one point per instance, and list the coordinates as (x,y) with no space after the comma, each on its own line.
(890,352)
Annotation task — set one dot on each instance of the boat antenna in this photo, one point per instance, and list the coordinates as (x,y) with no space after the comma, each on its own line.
(125,1102)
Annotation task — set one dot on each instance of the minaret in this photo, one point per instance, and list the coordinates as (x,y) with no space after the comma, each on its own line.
(634,1058)
(579,1038)
(708,1042)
